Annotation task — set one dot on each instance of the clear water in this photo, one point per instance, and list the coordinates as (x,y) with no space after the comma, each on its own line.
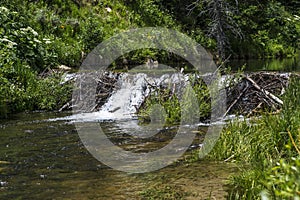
(283,65)
(42,159)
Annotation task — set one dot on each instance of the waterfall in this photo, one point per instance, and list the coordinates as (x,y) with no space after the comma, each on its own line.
(123,102)
(130,92)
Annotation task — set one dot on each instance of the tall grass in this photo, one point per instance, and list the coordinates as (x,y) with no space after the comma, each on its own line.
(268,145)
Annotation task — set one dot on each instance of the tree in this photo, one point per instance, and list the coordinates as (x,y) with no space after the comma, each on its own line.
(221,21)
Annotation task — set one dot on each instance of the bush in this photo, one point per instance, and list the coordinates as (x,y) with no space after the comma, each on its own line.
(50,94)
(177,109)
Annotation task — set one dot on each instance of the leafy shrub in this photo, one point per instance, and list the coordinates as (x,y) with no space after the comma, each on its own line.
(169,102)
(178,109)
(25,43)
(283,180)
(50,94)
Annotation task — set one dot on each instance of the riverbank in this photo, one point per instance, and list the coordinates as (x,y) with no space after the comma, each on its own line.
(269,145)
(264,148)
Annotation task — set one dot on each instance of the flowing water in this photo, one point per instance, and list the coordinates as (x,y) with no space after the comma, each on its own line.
(42,159)
(132,88)
(42,156)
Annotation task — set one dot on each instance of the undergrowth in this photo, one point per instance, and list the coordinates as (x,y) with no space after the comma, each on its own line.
(269,146)
(194,101)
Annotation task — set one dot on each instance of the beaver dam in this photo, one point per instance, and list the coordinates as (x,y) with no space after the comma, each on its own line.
(119,95)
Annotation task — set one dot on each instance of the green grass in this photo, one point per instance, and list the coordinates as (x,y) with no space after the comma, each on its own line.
(195,101)
(268,146)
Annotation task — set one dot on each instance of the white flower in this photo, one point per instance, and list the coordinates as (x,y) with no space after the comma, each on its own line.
(36,40)
(108,9)
(3,9)
(10,43)
(31,30)
(47,41)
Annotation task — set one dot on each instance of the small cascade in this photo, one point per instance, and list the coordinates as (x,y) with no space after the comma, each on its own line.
(130,92)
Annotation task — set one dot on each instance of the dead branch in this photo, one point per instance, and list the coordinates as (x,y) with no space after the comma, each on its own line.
(269,94)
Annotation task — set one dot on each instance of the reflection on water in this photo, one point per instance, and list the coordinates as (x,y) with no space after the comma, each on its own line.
(46,160)
(285,65)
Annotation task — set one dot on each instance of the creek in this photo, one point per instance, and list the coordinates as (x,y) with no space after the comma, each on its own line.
(42,159)
(45,159)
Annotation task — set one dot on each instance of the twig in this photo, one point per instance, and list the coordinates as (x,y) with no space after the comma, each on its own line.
(230,157)
(293,142)
(236,100)
(269,94)
(66,106)
(225,61)
(153,86)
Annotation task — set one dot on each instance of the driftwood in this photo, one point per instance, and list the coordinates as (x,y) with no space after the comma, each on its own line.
(67,106)
(272,96)
(235,101)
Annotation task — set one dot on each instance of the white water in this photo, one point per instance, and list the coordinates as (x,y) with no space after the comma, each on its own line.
(132,89)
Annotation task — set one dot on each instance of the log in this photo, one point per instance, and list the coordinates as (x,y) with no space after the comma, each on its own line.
(267,93)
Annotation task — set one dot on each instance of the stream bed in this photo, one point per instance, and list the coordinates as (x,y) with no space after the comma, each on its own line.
(42,159)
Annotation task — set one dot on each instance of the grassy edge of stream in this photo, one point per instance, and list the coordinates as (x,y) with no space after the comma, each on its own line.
(38,37)
(269,146)
(266,147)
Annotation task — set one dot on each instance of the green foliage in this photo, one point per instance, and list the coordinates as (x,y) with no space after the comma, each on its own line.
(283,180)
(269,31)
(165,98)
(195,102)
(246,185)
(24,53)
(21,90)
(151,13)
(19,42)
(268,144)
(49,94)
(202,95)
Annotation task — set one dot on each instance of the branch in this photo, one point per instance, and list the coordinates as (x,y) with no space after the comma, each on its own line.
(192,6)
(235,101)
(293,142)
(269,94)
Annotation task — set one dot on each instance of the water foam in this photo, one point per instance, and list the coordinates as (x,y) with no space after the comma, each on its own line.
(132,89)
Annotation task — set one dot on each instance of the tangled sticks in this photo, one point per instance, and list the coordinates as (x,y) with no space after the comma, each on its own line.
(255,92)
(81,101)
(251,94)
